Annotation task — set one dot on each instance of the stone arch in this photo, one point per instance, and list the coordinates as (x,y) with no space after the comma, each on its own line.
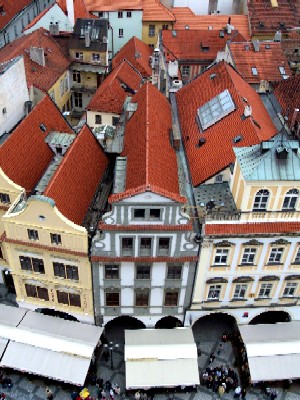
(168,322)
(114,329)
(215,323)
(271,317)
(55,313)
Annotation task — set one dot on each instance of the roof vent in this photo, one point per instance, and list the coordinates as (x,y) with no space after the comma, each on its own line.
(87,39)
(137,54)
(248,111)
(256,45)
(221,34)
(210,27)
(43,128)
(237,139)
(54,28)
(261,24)
(201,142)
(281,153)
(278,36)
(174,33)
(187,27)
(212,76)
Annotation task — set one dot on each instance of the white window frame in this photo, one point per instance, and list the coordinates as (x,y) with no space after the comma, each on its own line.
(261,200)
(290,289)
(240,291)
(121,33)
(186,69)
(249,255)
(214,292)
(221,253)
(254,71)
(290,199)
(265,290)
(276,254)
(297,257)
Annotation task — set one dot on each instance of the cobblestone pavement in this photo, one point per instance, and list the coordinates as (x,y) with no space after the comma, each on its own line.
(28,387)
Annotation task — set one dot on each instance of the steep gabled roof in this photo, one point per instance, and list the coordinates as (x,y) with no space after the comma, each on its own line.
(25,155)
(75,182)
(266,61)
(38,17)
(287,93)
(154,10)
(186,18)
(151,160)
(56,61)
(11,9)
(137,53)
(110,95)
(266,19)
(215,152)
(113,5)
(195,44)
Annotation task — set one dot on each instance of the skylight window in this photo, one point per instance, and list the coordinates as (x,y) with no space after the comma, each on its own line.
(254,71)
(282,70)
(216,109)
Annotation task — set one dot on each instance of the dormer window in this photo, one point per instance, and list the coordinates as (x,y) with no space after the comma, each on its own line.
(254,71)
(204,46)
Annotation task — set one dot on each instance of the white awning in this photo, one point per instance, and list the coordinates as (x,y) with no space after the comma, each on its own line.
(273,350)
(160,358)
(47,346)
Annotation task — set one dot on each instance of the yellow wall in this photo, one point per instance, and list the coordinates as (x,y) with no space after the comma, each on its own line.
(60,100)
(87,57)
(106,118)
(87,79)
(158,26)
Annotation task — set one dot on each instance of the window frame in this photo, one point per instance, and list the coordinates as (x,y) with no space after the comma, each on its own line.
(291,197)
(221,250)
(163,246)
(38,292)
(276,250)
(114,302)
(261,200)
(252,252)
(240,291)
(121,33)
(98,117)
(55,238)
(297,256)
(76,76)
(265,287)
(151,30)
(33,234)
(144,273)
(290,287)
(4,198)
(128,14)
(171,298)
(127,246)
(78,100)
(144,298)
(65,271)
(120,14)
(79,55)
(174,271)
(214,292)
(96,57)
(145,247)
(186,70)
(112,271)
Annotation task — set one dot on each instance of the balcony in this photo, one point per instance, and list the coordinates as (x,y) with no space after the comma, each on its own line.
(83,88)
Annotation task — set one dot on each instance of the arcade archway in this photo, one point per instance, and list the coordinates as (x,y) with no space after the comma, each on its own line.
(212,326)
(168,322)
(271,317)
(114,329)
(55,313)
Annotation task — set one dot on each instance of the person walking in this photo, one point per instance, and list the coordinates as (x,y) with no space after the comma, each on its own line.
(111,394)
(273,395)
(244,393)
(237,392)
(137,395)
(49,394)
(221,390)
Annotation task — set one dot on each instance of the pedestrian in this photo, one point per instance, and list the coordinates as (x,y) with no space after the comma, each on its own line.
(137,395)
(49,394)
(221,390)
(273,395)
(267,391)
(220,349)
(111,394)
(212,358)
(237,392)
(244,393)
(3,396)
(199,351)
(103,394)
(106,356)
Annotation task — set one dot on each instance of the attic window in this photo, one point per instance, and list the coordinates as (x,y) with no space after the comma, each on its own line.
(254,71)
(247,47)
(204,46)
(187,27)
(261,24)
(267,46)
(216,109)
(43,128)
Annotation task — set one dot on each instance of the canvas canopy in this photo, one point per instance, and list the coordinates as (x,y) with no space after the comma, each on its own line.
(160,358)
(47,346)
(273,350)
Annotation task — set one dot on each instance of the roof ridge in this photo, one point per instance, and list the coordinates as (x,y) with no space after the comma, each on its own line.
(147,134)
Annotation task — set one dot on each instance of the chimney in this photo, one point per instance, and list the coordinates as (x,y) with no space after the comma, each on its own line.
(70,11)
(256,44)
(54,28)
(87,38)
(37,55)
(278,36)
(294,117)
(229,21)
(248,111)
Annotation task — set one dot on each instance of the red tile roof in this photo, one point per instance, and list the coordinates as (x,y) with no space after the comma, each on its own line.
(110,96)
(24,155)
(56,61)
(265,19)
(187,44)
(11,9)
(249,228)
(80,9)
(113,5)
(137,53)
(146,133)
(185,17)
(154,10)
(287,93)
(216,153)
(267,61)
(74,184)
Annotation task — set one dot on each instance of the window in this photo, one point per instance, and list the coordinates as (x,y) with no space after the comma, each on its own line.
(282,70)
(171,299)
(120,14)
(141,299)
(22,22)
(28,18)
(289,290)
(96,57)
(32,264)
(52,95)
(240,291)
(219,178)
(111,271)
(297,258)
(151,31)
(127,246)
(79,56)
(265,290)
(290,199)
(214,292)
(15,31)
(261,200)
(163,246)
(55,238)
(113,299)
(154,213)
(78,100)
(254,71)
(4,198)
(37,292)
(66,83)
(215,109)
(221,256)
(65,271)
(143,271)
(115,120)
(76,77)
(98,119)
(61,87)
(145,246)
(151,46)
(121,33)
(32,234)
(128,14)
(276,255)
(174,271)
(139,213)
(248,256)
(71,299)
(186,70)
(165,27)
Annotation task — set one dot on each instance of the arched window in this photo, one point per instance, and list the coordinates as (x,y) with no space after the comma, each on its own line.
(261,200)
(290,199)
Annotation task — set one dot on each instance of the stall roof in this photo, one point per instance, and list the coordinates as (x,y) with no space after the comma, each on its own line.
(160,358)
(273,350)
(45,345)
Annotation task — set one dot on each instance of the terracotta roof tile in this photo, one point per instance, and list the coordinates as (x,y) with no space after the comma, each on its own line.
(11,9)
(80,9)
(149,168)
(110,96)
(154,10)
(195,44)
(24,155)
(137,53)
(185,17)
(75,182)
(113,5)
(145,259)
(265,19)
(267,61)
(56,61)
(267,228)
(287,93)
(216,153)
